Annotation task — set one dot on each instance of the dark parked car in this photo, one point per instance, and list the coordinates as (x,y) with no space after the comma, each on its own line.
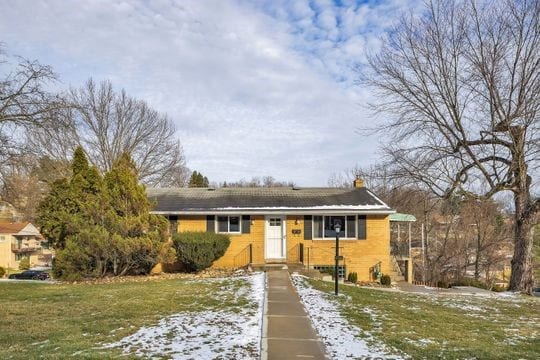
(31,275)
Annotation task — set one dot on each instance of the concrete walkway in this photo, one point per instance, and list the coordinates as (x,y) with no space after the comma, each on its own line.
(287,331)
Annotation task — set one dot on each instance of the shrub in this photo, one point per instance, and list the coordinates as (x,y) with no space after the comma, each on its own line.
(2,272)
(353,277)
(386,280)
(499,288)
(443,284)
(480,284)
(471,282)
(24,264)
(197,251)
(73,262)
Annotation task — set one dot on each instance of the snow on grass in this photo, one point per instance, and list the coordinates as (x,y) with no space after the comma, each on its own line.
(342,340)
(205,335)
(420,342)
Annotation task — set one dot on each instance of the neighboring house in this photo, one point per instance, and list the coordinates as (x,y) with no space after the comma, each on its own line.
(20,240)
(286,225)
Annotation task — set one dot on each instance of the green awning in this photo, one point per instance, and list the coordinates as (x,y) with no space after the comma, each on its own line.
(402,217)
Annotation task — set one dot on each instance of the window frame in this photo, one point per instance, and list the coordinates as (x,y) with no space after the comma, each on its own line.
(314,233)
(239,232)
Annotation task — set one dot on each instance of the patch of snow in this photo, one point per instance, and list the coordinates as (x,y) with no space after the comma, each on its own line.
(466,307)
(342,340)
(420,343)
(40,342)
(204,335)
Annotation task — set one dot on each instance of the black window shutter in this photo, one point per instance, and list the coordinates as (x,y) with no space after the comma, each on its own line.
(173,224)
(308,228)
(362,232)
(210,223)
(246,224)
(351,229)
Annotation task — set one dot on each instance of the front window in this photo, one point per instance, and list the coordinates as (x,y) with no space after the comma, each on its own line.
(228,224)
(323,227)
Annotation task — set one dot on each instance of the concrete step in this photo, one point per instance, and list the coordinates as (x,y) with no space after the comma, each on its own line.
(291,267)
(395,276)
(269,267)
(296,267)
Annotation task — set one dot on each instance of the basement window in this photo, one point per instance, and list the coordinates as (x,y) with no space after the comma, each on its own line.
(228,224)
(329,269)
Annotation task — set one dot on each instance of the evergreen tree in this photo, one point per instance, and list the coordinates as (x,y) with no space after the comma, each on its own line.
(198,180)
(68,205)
(136,235)
(102,225)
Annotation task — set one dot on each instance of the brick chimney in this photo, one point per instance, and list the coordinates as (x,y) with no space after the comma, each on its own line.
(358,183)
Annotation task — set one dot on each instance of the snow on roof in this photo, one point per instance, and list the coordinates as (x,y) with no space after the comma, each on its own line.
(200,200)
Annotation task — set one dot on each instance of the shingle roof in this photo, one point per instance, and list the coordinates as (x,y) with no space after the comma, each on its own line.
(189,200)
(19,228)
(12,228)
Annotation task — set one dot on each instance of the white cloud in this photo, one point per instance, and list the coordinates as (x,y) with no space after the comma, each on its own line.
(255,88)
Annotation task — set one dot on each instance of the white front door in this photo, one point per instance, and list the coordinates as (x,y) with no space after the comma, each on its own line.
(275,239)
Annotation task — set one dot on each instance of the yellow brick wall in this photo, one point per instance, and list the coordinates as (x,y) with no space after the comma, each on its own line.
(237,250)
(192,223)
(359,255)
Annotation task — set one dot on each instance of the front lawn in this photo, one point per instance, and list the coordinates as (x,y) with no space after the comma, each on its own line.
(42,320)
(442,326)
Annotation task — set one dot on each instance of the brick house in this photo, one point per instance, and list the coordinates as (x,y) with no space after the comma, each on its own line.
(286,225)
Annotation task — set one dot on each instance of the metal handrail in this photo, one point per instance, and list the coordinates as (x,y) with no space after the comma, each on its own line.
(244,257)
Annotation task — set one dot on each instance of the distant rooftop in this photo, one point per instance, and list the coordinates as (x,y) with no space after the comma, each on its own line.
(265,200)
(18,228)
(402,217)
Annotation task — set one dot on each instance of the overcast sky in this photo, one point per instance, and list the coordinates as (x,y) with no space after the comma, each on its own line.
(254,87)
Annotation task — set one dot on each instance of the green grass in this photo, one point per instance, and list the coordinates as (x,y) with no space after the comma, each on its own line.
(54,321)
(445,327)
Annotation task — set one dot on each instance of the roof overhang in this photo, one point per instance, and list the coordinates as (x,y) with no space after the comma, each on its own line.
(282,211)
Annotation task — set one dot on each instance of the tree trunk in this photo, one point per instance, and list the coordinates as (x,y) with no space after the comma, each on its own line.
(477,257)
(521,278)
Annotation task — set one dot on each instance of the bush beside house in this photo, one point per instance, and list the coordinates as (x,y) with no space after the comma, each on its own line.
(386,280)
(197,251)
(24,264)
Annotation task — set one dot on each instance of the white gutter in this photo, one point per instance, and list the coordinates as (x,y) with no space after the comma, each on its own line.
(278,211)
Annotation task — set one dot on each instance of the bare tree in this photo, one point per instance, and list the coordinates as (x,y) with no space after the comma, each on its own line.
(25,103)
(23,97)
(24,100)
(255,182)
(106,124)
(462,82)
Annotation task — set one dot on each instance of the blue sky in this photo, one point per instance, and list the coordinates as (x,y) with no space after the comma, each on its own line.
(254,87)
